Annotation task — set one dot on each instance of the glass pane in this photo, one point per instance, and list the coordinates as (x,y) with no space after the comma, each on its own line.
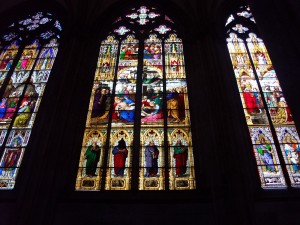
(7,55)
(181,159)
(118,175)
(91,160)
(152,159)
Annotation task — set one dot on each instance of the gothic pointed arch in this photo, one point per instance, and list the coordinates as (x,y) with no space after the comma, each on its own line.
(139,102)
(28,49)
(271,126)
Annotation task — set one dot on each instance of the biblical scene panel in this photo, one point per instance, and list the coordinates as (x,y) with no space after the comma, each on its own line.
(91,160)
(270,85)
(278,108)
(118,176)
(7,56)
(152,110)
(10,164)
(123,110)
(290,147)
(152,74)
(123,88)
(152,158)
(129,50)
(153,50)
(127,75)
(265,71)
(181,174)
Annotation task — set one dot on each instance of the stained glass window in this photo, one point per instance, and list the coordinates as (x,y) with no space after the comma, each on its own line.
(27,54)
(138,131)
(272,130)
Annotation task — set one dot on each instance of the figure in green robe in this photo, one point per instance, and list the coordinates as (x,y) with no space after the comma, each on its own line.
(92,156)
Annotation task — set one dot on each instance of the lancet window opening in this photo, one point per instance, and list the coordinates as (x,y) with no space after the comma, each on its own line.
(27,53)
(138,133)
(272,130)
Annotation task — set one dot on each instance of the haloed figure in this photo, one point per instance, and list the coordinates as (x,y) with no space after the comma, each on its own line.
(151,158)
(92,156)
(120,154)
(265,150)
(181,156)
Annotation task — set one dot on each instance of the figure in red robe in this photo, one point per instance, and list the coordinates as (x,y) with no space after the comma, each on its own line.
(11,159)
(120,154)
(181,156)
(250,101)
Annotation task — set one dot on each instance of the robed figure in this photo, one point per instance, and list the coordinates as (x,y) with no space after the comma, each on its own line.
(265,151)
(181,156)
(92,156)
(293,153)
(120,154)
(10,160)
(99,103)
(151,158)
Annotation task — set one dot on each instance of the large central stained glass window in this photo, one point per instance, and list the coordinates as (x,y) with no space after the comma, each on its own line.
(138,133)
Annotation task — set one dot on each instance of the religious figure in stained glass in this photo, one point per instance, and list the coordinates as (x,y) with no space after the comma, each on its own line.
(292,150)
(92,156)
(181,156)
(120,153)
(266,153)
(151,159)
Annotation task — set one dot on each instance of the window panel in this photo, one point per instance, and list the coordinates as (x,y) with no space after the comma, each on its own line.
(181,162)
(152,159)
(119,169)
(7,56)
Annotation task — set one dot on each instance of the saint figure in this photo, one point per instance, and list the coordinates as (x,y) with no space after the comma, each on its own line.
(181,156)
(151,157)
(265,150)
(92,156)
(120,154)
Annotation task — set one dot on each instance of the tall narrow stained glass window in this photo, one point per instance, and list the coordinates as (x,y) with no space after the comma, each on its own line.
(27,54)
(138,133)
(273,133)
